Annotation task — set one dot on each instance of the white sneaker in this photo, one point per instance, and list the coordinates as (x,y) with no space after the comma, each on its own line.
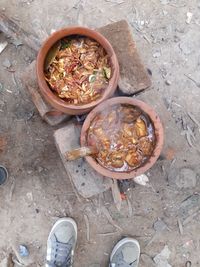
(126,253)
(61,243)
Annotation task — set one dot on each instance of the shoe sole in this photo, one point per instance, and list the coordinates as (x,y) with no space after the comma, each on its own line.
(122,242)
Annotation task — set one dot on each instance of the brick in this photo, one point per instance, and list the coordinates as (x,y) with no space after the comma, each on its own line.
(175,144)
(133,75)
(86,180)
(48,113)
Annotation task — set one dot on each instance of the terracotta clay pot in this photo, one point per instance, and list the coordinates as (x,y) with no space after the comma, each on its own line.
(158,133)
(54,100)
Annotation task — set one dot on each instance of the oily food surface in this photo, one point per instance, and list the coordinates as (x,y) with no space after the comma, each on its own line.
(78,70)
(124,137)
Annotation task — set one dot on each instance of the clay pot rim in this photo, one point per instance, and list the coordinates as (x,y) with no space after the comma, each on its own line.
(50,41)
(158,132)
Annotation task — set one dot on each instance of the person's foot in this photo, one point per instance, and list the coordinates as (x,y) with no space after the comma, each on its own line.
(126,253)
(61,243)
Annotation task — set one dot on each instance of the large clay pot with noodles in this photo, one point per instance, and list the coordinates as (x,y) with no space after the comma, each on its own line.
(53,99)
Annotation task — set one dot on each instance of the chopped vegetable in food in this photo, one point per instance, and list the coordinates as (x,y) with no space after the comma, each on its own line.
(78,70)
(124,137)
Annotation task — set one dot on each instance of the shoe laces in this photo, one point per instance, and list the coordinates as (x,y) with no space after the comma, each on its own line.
(121,263)
(62,254)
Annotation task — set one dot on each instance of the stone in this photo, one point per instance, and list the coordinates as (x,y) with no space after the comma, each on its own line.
(185,47)
(161,259)
(165,12)
(141,179)
(133,75)
(156,54)
(168,82)
(6,63)
(159,225)
(23,251)
(186,178)
(17,43)
(29,196)
(85,179)
(183,177)
(3,46)
(1,87)
(40,169)
(189,17)
(189,206)
(146,261)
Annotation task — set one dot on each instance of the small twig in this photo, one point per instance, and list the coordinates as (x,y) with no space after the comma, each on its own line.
(87,227)
(12,188)
(190,217)
(170,168)
(172,163)
(112,20)
(110,219)
(142,34)
(136,12)
(130,209)
(116,3)
(163,169)
(116,194)
(196,83)
(17,263)
(107,234)
(14,79)
(176,104)
(136,27)
(189,139)
(194,119)
(146,38)
(191,132)
(173,5)
(180,226)
(153,238)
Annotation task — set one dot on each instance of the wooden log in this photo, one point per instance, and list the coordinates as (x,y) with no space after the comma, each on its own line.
(10,28)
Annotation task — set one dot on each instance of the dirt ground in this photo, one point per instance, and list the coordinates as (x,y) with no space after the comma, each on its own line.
(38,190)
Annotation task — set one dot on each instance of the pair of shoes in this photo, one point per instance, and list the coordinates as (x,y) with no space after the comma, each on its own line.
(62,241)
